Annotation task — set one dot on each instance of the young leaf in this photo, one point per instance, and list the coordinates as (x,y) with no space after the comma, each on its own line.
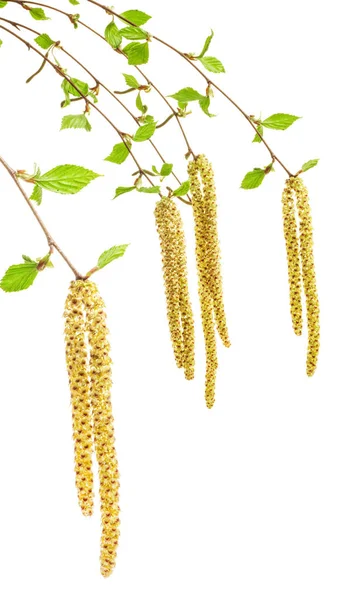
(38,14)
(113,35)
(75,2)
(183,189)
(166,169)
(309,164)
(19,277)
(2,4)
(37,195)
(131,81)
(27,259)
(75,122)
(155,189)
(66,179)
(257,137)
(212,64)
(253,179)
(145,132)
(205,105)
(133,33)
(279,121)
(137,17)
(137,54)
(112,254)
(206,45)
(123,190)
(139,104)
(119,153)
(187,94)
(69,89)
(44,41)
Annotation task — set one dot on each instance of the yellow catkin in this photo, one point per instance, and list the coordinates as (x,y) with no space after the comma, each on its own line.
(206,300)
(308,273)
(213,255)
(78,372)
(104,441)
(166,229)
(293,254)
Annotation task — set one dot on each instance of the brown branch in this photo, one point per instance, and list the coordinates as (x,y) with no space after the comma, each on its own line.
(50,240)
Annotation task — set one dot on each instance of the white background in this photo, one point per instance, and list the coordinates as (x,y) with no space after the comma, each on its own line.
(251,500)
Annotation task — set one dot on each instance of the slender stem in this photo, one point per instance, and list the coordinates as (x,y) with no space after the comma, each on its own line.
(50,240)
(165,121)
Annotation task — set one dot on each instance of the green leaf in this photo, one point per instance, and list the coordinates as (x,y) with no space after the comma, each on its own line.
(155,189)
(205,105)
(19,277)
(131,81)
(133,33)
(44,41)
(145,132)
(75,122)
(309,164)
(187,94)
(38,14)
(112,254)
(212,64)
(123,190)
(66,179)
(279,121)
(166,169)
(27,259)
(253,179)
(139,104)
(74,2)
(257,137)
(2,4)
(137,17)
(113,35)
(120,153)
(0,43)
(37,195)
(206,45)
(69,89)
(137,54)
(183,189)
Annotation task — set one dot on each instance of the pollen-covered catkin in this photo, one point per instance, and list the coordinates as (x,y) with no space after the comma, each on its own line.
(293,255)
(308,273)
(104,441)
(213,255)
(206,300)
(78,372)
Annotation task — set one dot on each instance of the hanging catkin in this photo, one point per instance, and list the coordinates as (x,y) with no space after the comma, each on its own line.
(179,311)
(308,273)
(78,372)
(101,382)
(293,255)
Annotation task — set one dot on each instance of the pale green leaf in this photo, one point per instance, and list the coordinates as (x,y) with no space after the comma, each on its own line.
(145,132)
(0,43)
(166,169)
(113,35)
(27,259)
(139,104)
(257,137)
(2,4)
(75,122)
(154,189)
(123,190)
(137,54)
(112,254)
(205,105)
(253,179)
(38,14)
(309,164)
(137,17)
(66,179)
(19,277)
(120,153)
(74,2)
(183,189)
(187,94)
(212,64)
(44,41)
(279,121)
(37,195)
(206,45)
(131,81)
(69,89)
(133,33)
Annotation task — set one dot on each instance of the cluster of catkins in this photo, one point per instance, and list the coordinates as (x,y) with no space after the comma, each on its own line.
(179,311)
(89,369)
(299,248)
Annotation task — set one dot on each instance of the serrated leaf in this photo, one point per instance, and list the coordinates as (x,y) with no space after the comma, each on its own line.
(279,121)
(253,179)
(19,277)
(123,190)
(74,2)
(183,189)
(137,54)
(37,195)
(309,164)
(131,81)
(205,105)
(113,35)
(119,154)
(149,118)
(257,137)
(139,104)
(206,44)
(66,179)
(69,89)
(75,122)
(137,17)
(154,189)
(133,33)
(166,169)
(187,94)
(212,64)
(145,132)
(44,41)
(112,254)
(2,4)
(38,14)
